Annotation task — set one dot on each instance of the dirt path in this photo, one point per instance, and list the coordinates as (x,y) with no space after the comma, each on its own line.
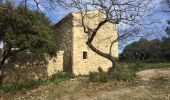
(150,85)
(146,75)
(146,88)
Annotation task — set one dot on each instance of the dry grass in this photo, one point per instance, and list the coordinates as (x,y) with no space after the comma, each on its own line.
(156,87)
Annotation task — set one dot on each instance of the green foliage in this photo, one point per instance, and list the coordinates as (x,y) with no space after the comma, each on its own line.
(168,28)
(147,51)
(165,46)
(131,68)
(100,76)
(25,29)
(13,88)
(144,66)
(55,78)
(132,51)
(32,84)
(125,72)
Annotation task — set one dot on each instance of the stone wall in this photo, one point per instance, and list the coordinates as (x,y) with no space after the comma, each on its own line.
(102,41)
(71,43)
(63,38)
(24,67)
(55,64)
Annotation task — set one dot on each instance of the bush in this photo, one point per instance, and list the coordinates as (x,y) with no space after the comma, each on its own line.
(166,55)
(99,76)
(125,73)
(136,66)
(27,85)
(17,86)
(60,76)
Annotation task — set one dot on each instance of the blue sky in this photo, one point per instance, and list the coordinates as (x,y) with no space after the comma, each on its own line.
(158,15)
(58,14)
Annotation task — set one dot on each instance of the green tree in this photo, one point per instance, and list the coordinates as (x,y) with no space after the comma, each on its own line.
(155,49)
(165,48)
(144,47)
(130,51)
(137,50)
(168,21)
(23,29)
(168,29)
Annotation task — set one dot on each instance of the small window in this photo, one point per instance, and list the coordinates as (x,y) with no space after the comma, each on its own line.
(84,54)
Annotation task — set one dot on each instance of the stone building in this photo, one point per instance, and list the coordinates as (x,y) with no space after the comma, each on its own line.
(73,54)
(70,37)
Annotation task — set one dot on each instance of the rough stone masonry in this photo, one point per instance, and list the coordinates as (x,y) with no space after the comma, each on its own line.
(71,39)
(73,55)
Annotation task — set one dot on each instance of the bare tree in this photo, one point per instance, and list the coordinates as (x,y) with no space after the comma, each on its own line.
(127,12)
(168,2)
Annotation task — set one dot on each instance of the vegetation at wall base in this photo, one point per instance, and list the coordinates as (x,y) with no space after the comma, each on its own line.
(60,76)
(99,76)
(125,72)
(32,84)
(122,73)
(159,86)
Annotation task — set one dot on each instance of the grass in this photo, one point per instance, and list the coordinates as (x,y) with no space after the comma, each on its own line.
(32,84)
(122,73)
(157,88)
(161,83)
(125,72)
(99,76)
(143,66)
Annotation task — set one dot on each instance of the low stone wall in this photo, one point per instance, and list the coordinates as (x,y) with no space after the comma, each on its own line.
(24,66)
(55,64)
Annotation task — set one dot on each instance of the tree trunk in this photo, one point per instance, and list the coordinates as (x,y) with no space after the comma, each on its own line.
(1,72)
(144,56)
(5,55)
(112,70)
(2,68)
(105,55)
(91,34)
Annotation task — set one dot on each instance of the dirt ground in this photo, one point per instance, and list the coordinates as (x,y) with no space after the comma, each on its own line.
(152,84)
(146,75)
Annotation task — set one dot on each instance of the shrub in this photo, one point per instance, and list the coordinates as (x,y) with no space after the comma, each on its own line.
(27,85)
(60,76)
(17,86)
(136,67)
(125,73)
(99,76)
